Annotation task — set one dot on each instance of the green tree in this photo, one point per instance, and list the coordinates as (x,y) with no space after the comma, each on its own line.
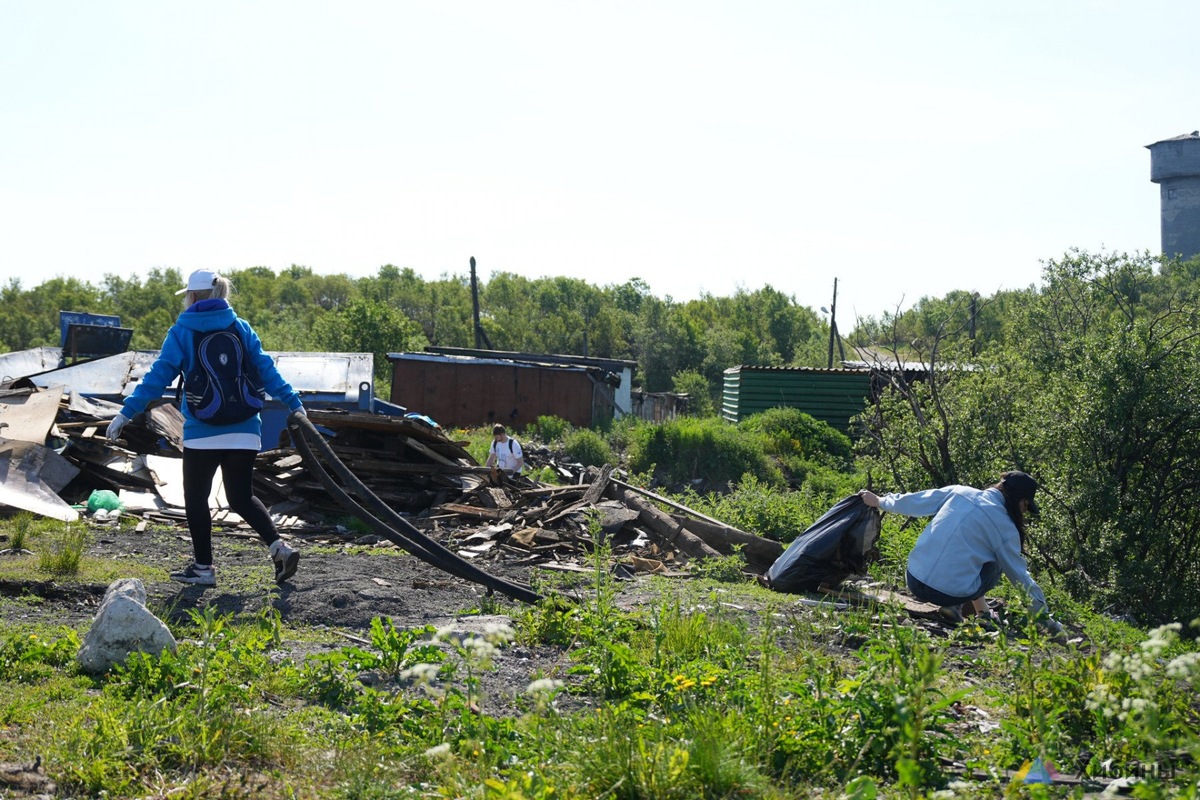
(667,341)
(1116,429)
(698,390)
(149,307)
(29,318)
(368,326)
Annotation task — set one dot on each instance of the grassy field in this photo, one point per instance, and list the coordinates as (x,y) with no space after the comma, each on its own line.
(701,688)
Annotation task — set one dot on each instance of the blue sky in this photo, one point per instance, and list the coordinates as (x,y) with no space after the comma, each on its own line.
(907,149)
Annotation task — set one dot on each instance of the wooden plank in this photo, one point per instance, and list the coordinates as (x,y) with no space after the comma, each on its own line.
(667,502)
(471,511)
(423,450)
(596,490)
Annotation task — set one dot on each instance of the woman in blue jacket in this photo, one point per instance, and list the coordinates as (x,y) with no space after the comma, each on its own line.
(207,447)
(975,536)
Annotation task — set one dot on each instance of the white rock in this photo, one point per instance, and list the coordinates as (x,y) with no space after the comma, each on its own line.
(123,625)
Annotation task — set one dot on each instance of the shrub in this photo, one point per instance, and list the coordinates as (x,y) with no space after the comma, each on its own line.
(696,387)
(549,429)
(621,432)
(588,448)
(800,441)
(711,449)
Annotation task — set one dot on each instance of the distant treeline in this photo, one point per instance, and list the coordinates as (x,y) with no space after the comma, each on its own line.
(677,345)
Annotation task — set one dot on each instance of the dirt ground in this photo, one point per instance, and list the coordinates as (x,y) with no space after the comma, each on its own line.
(337,590)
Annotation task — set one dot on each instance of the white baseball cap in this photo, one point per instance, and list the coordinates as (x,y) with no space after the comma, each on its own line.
(200,281)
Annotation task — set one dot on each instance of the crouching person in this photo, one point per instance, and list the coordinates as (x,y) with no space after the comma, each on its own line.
(975,536)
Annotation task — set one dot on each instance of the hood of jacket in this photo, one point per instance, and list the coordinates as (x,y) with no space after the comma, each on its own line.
(207,315)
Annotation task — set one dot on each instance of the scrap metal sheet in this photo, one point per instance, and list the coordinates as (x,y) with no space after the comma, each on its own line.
(31,476)
(29,417)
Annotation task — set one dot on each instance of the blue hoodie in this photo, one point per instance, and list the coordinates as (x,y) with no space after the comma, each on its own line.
(176,356)
(969,528)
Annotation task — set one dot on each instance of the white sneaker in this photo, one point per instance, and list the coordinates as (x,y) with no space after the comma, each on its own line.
(286,560)
(195,575)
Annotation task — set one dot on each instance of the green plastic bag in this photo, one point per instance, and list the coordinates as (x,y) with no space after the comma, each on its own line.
(103,499)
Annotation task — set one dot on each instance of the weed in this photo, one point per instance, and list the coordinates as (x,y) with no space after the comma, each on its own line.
(397,649)
(553,621)
(546,474)
(588,448)
(20,530)
(30,657)
(726,569)
(755,506)
(64,555)
(549,429)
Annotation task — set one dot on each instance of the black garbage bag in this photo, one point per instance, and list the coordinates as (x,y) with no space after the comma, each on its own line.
(834,547)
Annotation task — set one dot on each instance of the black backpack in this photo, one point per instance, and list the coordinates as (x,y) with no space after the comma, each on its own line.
(222,387)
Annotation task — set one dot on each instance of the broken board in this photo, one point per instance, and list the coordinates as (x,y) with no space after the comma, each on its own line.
(861,595)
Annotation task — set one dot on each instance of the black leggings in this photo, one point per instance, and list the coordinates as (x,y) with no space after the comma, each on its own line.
(237,470)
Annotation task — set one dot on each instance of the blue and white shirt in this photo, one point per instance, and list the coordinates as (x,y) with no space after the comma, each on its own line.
(970,527)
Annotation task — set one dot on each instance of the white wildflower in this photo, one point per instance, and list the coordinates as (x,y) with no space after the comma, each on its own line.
(1184,666)
(1100,699)
(421,673)
(446,633)
(438,751)
(478,648)
(498,633)
(1138,668)
(1161,638)
(543,686)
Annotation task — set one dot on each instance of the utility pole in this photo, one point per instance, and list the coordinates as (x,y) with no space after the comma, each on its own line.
(833,334)
(481,338)
(974,311)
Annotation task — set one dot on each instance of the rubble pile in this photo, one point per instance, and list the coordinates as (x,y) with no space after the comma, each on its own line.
(55,454)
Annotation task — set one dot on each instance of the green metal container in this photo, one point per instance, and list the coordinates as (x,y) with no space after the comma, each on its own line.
(830,395)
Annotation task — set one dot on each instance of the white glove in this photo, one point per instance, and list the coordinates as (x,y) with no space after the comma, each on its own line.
(302,411)
(1054,630)
(114,427)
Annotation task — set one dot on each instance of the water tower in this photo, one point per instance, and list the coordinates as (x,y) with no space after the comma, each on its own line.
(1175,167)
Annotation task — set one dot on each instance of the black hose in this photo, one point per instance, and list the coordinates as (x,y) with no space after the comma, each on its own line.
(392,526)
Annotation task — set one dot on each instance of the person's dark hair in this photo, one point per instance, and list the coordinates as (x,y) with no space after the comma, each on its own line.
(497,428)
(1015,487)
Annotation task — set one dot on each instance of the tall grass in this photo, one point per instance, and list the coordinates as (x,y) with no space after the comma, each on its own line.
(19,531)
(64,553)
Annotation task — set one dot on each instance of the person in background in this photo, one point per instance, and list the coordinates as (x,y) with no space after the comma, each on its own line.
(206,447)
(505,452)
(975,536)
